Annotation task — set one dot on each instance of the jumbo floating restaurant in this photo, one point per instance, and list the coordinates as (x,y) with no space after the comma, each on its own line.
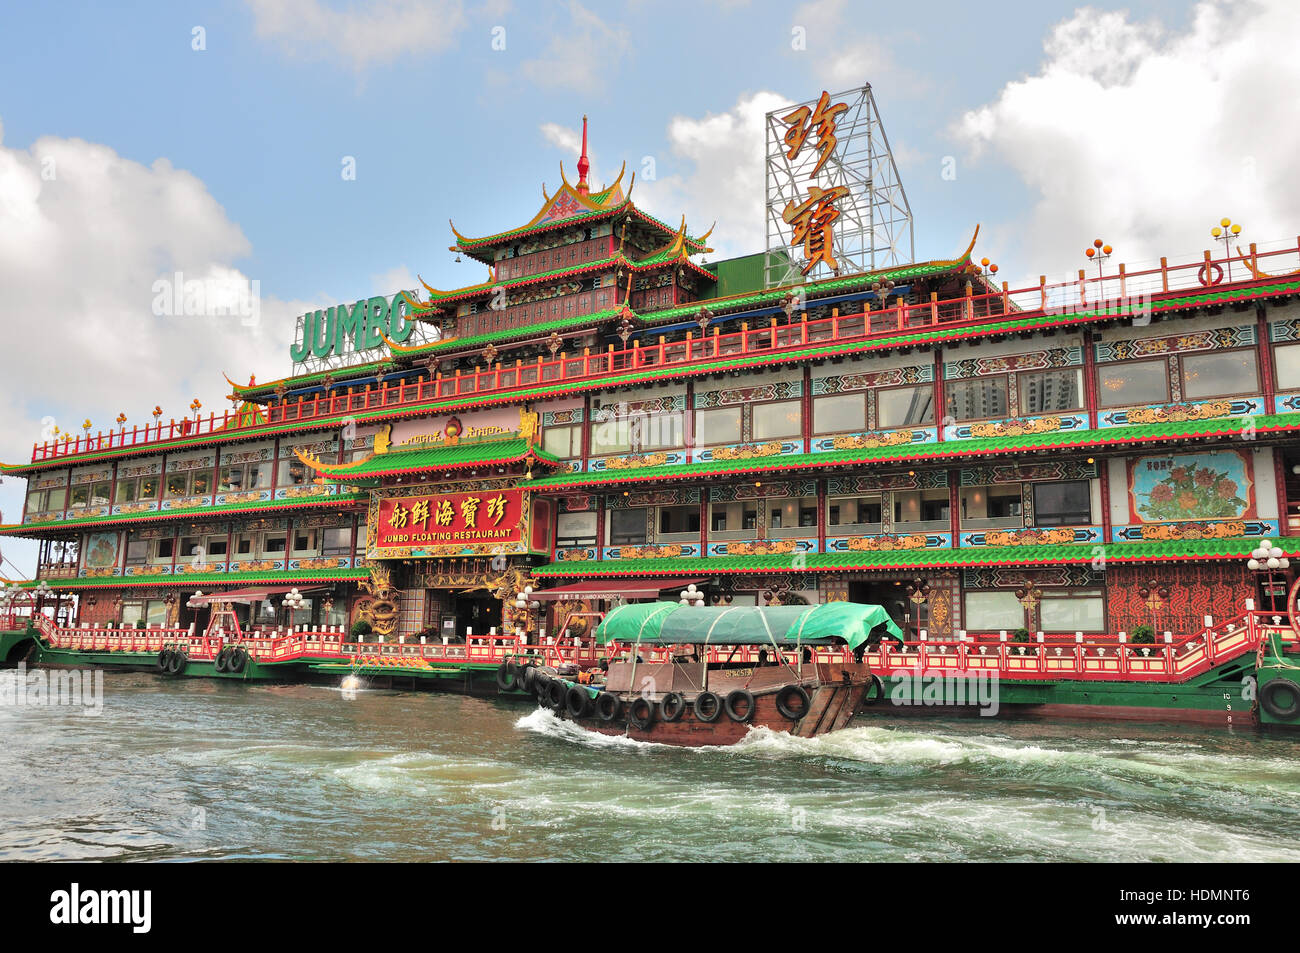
(1092,499)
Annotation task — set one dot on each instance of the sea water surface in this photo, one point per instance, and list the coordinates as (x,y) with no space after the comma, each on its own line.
(197,769)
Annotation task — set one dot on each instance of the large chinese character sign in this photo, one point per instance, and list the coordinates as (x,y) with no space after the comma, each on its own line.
(834,202)
(480,523)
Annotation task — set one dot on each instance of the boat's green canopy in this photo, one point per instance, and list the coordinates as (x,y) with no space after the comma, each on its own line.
(671,623)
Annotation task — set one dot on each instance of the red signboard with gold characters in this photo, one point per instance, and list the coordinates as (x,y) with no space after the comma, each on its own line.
(480,521)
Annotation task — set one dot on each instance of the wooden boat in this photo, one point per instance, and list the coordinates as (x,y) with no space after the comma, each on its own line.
(692,692)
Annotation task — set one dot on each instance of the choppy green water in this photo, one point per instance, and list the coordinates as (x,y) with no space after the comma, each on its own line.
(189,769)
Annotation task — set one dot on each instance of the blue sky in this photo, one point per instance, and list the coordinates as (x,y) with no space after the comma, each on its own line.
(455,133)
(126,154)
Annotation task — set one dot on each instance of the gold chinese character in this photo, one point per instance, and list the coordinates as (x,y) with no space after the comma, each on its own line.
(803,120)
(398,518)
(420,514)
(812,222)
(469,510)
(496,509)
(445,513)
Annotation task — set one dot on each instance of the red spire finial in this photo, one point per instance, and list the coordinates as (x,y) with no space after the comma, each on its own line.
(583,163)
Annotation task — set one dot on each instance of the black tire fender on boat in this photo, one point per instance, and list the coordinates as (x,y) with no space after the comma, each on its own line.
(222,662)
(577,702)
(708,706)
(672,707)
(875,691)
(739,694)
(525,677)
(608,706)
(641,713)
(175,662)
(163,658)
(555,694)
(238,659)
(784,697)
(1281,699)
(505,677)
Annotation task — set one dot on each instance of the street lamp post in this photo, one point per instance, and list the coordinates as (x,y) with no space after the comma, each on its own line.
(1268,561)
(1224,232)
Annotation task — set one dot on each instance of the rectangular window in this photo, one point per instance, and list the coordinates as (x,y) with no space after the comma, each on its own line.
(904,406)
(777,419)
(993,612)
(575,529)
(126,490)
(679,519)
(979,398)
(178,484)
(627,526)
(336,541)
(1045,392)
(1133,382)
(80,495)
(217,546)
(840,413)
(164,548)
(1063,504)
(304,541)
(563,442)
(717,427)
(921,506)
(1287,360)
(718,519)
(851,511)
(1220,373)
(137,552)
(244,544)
(101,494)
(990,503)
(273,545)
(1073,611)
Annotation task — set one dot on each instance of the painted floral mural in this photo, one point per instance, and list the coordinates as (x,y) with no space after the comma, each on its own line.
(1191,487)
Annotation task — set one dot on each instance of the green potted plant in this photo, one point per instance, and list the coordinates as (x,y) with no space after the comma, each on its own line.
(1143,635)
(360,627)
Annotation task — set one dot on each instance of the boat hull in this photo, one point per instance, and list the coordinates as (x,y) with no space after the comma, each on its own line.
(835,693)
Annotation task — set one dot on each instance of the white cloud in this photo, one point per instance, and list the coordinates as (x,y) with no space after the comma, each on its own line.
(363,33)
(84,235)
(578,54)
(396,279)
(1146,138)
(722,177)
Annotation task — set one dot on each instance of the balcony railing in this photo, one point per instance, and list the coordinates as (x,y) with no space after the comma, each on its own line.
(1118,292)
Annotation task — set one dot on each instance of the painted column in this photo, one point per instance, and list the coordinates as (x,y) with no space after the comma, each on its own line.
(1090,377)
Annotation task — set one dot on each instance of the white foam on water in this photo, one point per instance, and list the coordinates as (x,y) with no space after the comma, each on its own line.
(543,721)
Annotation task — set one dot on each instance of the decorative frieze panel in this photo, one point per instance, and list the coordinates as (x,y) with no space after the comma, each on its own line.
(651,551)
(612,410)
(872,440)
(1029,361)
(870,482)
(306,491)
(1213,340)
(772,390)
(749,451)
(1017,427)
(1007,577)
(764,547)
(1221,407)
(867,380)
(1033,536)
(638,461)
(556,418)
(186,464)
(888,542)
(95,475)
(731,492)
(1029,472)
(672,496)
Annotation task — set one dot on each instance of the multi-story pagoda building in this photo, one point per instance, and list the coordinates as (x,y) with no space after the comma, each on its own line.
(608,416)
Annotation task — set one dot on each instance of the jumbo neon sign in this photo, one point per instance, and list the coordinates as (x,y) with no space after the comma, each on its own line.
(346,329)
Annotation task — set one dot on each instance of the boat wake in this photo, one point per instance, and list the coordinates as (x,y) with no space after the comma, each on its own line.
(543,721)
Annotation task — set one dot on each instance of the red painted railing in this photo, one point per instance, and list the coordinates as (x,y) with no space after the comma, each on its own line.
(1118,291)
(1104,658)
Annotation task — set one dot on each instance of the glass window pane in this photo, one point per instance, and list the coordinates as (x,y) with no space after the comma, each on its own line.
(558,441)
(627,526)
(905,406)
(1287,358)
(80,495)
(980,398)
(840,413)
(178,484)
(1135,382)
(1073,612)
(993,612)
(1219,373)
(1043,392)
(715,427)
(780,419)
(1063,504)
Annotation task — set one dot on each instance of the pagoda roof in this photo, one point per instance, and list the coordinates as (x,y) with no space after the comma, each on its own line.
(1047,555)
(431,459)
